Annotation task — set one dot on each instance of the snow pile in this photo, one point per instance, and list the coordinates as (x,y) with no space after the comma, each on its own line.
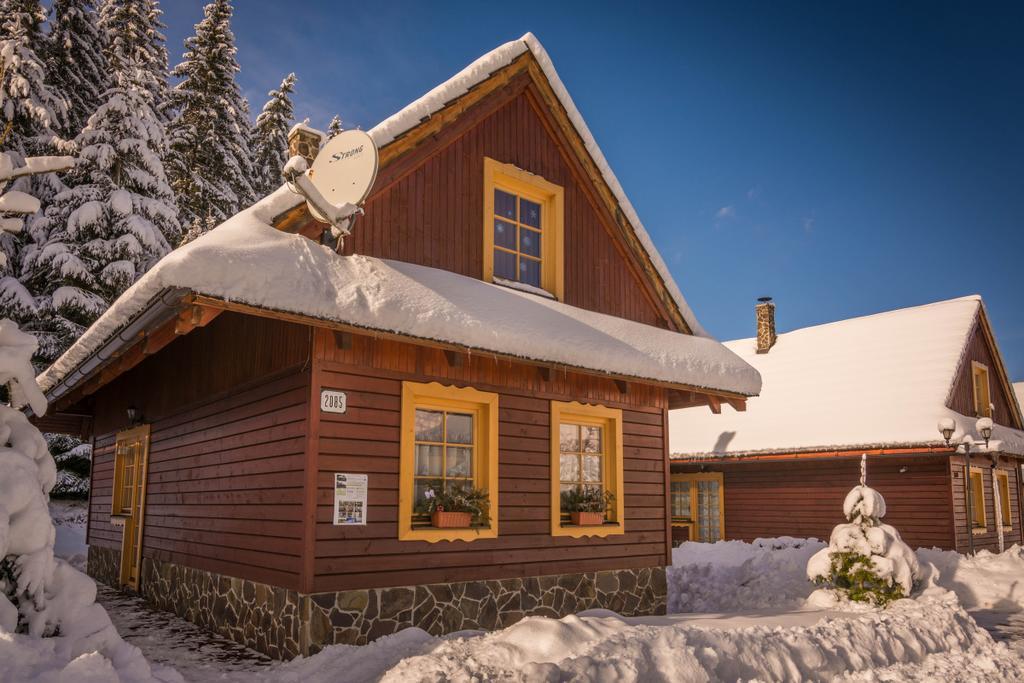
(50,624)
(988,581)
(730,576)
(866,560)
(236,260)
(914,353)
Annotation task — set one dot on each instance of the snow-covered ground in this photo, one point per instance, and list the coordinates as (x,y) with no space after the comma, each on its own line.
(744,619)
(70,518)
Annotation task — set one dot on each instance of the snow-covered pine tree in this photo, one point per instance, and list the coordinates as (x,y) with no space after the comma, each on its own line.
(132,35)
(270,137)
(75,63)
(210,163)
(335,127)
(116,220)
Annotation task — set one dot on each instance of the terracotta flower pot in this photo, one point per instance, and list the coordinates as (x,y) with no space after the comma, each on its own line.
(450,520)
(587,518)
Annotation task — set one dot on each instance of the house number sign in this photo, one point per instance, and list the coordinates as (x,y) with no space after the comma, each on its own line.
(333,401)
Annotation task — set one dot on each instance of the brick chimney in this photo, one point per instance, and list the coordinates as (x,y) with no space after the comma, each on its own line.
(765,314)
(305,141)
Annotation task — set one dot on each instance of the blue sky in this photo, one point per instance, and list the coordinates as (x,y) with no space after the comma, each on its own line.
(845,159)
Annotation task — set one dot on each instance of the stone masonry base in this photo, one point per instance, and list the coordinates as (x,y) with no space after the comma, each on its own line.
(283,623)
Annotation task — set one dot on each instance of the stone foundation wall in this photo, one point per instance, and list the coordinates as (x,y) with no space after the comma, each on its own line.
(284,623)
(104,565)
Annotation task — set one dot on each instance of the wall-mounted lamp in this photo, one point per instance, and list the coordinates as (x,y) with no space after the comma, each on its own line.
(946,427)
(134,415)
(984,427)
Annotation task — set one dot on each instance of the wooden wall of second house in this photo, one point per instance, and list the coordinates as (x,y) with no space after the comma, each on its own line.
(986,539)
(962,397)
(433,214)
(366,440)
(804,498)
(228,408)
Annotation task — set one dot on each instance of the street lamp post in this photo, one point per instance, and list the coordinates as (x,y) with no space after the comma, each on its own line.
(947,427)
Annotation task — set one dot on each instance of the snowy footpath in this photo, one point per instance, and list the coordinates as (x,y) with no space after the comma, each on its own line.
(738,612)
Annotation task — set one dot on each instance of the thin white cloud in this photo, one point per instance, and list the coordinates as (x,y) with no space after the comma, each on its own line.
(726,212)
(808,223)
(754,192)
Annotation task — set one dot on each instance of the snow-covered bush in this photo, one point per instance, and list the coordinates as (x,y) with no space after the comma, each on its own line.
(42,596)
(866,560)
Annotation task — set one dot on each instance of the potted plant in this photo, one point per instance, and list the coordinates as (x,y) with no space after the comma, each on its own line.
(459,506)
(586,505)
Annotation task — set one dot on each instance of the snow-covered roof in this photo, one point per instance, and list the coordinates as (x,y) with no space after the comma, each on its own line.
(246,258)
(1018,391)
(879,381)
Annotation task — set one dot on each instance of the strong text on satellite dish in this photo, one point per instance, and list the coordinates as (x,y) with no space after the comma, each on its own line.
(339,180)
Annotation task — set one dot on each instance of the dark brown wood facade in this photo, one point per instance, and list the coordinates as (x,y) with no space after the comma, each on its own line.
(961,398)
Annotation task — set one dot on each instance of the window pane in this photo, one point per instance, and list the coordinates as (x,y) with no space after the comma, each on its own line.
(569,468)
(504,234)
(459,462)
(504,204)
(459,428)
(529,242)
(428,461)
(529,272)
(592,440)
(428,425)
(569,438)
(529,213)
(681,499)
(418,491)
(504,264)
(592,468)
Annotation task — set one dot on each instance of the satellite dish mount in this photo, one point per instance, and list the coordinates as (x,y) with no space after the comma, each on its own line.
(338,182)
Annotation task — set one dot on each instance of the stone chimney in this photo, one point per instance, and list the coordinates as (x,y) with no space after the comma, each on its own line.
(305,141)
(765,313)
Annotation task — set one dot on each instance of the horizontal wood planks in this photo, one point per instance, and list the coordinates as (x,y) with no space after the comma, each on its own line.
(432,214)
(805,498)
(988,539)
(366,440)
(226,468)
(962,397)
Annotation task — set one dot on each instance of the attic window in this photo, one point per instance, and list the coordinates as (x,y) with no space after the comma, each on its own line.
(522,228)
(982,393)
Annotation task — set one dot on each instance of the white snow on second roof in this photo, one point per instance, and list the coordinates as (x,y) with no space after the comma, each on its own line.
(877,381)
(1018,390)
(246,260)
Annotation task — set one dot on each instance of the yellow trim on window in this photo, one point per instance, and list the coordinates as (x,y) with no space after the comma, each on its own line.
(979,521)
(1002,480)
(484,407)
(980,380)
(612,476)
(692,479)
(551,198)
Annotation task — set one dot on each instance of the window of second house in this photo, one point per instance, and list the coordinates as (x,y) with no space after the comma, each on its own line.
(449,439)
(1002,481)
(978,500)
(523,234)
(982,394)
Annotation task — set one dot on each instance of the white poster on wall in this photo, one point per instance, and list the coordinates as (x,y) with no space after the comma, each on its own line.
(350,498)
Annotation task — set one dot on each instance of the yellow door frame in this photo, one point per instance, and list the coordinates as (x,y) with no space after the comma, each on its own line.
(128,508)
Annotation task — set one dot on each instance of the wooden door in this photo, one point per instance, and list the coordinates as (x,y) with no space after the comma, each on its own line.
(131,465)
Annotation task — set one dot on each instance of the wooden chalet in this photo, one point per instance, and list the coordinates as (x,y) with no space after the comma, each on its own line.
(877,385)
(264,411)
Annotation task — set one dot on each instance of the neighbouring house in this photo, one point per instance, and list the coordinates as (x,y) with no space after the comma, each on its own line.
(267,415)
(879,385)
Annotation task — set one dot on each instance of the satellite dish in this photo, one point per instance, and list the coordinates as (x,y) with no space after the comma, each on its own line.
(344,170)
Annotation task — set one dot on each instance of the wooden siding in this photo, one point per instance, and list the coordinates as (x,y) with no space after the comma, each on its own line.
(805,498)
(228,408)
(962,398)
(432,213)
(366,440)
(988,540)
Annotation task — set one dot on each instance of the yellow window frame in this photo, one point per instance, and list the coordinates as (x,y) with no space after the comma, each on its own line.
(980,378)
(692,480)
(611,472)
(484,408)
(979,518)
(1002,480)
(551,197)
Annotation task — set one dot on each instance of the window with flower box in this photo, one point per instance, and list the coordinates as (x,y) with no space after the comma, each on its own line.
(449,438)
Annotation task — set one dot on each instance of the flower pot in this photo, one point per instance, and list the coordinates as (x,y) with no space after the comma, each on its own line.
(587,518)
(450,520)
